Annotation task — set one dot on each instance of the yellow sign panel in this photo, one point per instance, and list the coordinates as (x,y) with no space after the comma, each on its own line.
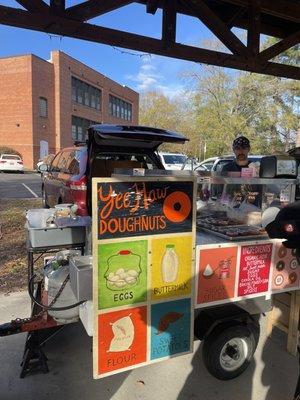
(171,268)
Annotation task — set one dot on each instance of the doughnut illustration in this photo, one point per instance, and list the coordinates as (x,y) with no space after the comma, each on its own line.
(292,277)
(294,264)
(280,266)
(282,252)
(279,280)
(177,206)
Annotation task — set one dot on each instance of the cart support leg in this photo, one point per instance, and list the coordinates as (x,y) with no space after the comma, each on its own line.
(34,358)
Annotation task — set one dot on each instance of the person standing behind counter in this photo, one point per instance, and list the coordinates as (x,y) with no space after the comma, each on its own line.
(241,149)
(248,198)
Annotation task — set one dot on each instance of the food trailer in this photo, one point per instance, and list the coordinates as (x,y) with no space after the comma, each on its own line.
(165,257)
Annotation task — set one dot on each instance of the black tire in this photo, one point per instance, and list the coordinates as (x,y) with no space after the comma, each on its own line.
(228,351)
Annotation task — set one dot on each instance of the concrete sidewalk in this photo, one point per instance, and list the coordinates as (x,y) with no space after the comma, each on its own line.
(272,375)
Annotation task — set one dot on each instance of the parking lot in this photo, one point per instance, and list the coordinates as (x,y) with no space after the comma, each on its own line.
(20,186)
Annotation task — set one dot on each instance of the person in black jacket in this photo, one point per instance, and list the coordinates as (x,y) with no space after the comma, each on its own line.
(241,148)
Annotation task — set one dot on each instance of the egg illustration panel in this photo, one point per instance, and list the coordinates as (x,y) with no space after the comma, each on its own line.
(216,274)
(286,269)
(122,339)
(170,328)
(122,273)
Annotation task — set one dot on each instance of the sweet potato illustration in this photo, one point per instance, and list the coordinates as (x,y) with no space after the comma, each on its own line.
(166,320)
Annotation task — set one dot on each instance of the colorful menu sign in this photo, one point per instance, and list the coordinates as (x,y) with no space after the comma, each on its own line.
(143,246)
(231,272)
(127,209)
(255,264)
(217,272)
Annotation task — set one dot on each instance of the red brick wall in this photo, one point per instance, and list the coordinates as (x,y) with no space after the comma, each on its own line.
(24,79)
(16,105)
(43,86)
(65,67)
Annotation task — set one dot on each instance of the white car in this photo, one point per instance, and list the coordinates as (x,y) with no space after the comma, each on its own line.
(11,162)
(172,161)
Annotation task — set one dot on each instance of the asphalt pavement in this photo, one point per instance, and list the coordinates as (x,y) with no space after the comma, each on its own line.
(271,376)
(20,186)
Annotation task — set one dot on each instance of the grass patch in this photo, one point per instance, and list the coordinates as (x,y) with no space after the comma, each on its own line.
(13,254)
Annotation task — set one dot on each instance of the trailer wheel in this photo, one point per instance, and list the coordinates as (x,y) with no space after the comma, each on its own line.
(228,351)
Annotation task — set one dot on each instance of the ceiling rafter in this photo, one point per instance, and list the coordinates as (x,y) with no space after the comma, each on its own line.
(169,22)
(93,8)
(278,48)
(57,6)
(216,25)
(253,36)
(34,5)
(71,28)
(277,8)
(228,12)
(152,6)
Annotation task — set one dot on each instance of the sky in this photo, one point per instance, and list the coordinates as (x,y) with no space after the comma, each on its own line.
(140,71)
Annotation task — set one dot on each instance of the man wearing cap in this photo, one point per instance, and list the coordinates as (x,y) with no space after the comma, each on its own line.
(241,148)
(249,196)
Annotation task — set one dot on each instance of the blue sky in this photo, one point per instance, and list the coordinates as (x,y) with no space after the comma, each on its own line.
(141,72)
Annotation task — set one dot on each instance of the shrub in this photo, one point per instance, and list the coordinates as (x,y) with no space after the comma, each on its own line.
(9,150)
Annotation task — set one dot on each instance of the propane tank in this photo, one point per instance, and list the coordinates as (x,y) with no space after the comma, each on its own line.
(55,272)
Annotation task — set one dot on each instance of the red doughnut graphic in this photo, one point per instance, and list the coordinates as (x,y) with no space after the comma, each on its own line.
(177,206)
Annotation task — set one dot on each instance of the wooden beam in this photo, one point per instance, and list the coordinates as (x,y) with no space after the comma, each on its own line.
(62,26)
(57,6)
(93,8)
(280,47)
(285,9)
(253,37)
(34,5)
(152,6)
(169,22)
(233,18)
(229,14)
(216,25)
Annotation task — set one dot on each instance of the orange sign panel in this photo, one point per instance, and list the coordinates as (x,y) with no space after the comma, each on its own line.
(216,274)
(122,339)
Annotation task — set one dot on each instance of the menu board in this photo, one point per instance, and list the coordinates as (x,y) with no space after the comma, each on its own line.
(232,272)
(143,246)
(255,264)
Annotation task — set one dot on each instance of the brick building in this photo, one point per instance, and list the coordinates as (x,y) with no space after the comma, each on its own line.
(47,105)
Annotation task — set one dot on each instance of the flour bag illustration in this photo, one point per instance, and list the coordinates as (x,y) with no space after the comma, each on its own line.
(169,264)
(123,270)
(123,330)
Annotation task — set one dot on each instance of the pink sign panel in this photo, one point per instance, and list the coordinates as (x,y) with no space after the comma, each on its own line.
(255,264)
(286,270)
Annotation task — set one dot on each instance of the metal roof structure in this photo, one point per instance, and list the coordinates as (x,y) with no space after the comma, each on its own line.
(277,18)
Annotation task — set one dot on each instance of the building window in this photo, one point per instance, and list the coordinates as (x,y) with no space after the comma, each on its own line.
(119,108)
(43,104)
(79,128)
(86,94)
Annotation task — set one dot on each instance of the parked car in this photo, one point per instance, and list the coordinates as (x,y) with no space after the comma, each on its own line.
(216,164)
(68,178)
(190,164)
(11,162)
(172,161)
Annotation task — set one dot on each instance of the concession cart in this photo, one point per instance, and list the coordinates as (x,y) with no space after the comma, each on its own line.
(164,257)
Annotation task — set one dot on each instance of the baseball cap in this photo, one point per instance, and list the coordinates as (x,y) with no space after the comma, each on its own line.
(241,141)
